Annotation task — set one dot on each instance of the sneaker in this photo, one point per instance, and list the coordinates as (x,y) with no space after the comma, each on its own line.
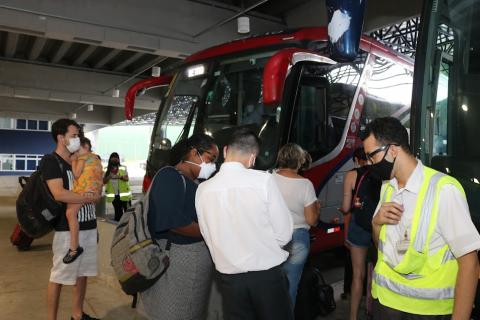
(86,317)
(72,255)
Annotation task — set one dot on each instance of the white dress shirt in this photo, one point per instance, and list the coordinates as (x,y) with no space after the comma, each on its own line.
(454,224)
(243,219)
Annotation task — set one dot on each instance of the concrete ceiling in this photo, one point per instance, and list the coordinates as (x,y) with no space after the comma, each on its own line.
(55,59)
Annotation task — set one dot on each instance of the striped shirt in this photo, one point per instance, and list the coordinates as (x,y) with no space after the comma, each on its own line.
(60,169)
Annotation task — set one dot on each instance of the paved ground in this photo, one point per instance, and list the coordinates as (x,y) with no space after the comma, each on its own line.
(24,278)
(25,275)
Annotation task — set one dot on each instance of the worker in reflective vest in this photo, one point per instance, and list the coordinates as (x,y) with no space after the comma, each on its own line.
(117,188)
(427,261)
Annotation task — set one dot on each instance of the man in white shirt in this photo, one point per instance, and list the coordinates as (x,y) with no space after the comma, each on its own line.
(427,266)
(245,223)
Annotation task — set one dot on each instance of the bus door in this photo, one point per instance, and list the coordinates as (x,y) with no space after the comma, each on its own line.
(446,97)
(319,121)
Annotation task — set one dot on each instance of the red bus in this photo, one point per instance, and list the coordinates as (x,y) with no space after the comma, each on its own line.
(285,87)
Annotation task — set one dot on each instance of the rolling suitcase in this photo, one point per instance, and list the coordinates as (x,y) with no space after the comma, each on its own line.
(20,239)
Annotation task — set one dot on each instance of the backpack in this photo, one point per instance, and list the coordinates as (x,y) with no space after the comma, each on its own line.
(36,207)
(365,198)
(137,259)
(315,296)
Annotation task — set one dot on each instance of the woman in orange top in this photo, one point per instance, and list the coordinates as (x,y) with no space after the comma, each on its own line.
(88,173)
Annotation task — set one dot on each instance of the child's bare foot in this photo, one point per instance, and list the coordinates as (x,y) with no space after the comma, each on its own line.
(72,255)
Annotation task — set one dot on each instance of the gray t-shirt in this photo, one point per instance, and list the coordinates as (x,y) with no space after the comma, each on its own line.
(298,194)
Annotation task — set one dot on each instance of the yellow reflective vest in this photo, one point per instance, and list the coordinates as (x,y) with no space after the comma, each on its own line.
(420,284)
(123,187)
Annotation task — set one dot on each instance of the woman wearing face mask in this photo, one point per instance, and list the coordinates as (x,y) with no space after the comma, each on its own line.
(183,291)
(361,193)
(117,188)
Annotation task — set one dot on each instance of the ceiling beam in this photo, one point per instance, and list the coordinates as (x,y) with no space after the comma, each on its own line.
(112,54)
(149,64)
(82,98)
(11,45)
(84,55)
(134,57)
(37,48)
(64,47)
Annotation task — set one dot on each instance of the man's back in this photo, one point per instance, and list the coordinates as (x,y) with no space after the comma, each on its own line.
(243,219)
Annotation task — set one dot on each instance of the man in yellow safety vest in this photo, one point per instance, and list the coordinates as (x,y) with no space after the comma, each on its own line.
(427,265)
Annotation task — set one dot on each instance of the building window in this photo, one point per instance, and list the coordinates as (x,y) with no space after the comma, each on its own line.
(43,125)
(32,124)
(19,162)
(6,123)
(21,124)
(6,162)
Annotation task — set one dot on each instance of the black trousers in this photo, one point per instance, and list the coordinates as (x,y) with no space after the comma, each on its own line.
(256,295)
(381,312)
(119,206)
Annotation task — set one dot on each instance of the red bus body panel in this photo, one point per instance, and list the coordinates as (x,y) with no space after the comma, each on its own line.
(143,84)
(326,235)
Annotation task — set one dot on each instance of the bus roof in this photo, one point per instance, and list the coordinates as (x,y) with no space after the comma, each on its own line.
(295,36)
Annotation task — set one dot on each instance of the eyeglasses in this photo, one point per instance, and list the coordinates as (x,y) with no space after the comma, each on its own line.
(385,148)
(213,158)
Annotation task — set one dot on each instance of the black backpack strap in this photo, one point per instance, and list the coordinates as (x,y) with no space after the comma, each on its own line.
(134,300)
(56,157)
(60,164)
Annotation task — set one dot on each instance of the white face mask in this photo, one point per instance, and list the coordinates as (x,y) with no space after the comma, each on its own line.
(73,144)
(206,169)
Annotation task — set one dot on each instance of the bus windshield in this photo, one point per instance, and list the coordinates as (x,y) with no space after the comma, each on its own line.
(217,98)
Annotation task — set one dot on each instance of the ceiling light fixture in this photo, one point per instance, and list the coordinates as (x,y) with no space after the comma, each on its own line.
(243,25)
(156,71)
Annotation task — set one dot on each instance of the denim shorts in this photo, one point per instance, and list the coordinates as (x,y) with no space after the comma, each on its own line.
(357,236)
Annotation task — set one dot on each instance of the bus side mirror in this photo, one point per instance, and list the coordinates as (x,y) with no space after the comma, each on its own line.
(345,23)
(142,85)
(278,67)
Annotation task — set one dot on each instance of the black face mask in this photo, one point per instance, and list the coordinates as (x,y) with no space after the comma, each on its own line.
(114,163)
(383,169)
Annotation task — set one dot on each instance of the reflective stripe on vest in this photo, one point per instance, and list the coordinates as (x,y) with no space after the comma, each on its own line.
(448,256)
(125,193)
(426,215)
(418,293)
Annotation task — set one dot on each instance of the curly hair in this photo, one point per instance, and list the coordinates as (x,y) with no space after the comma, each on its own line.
(292,156)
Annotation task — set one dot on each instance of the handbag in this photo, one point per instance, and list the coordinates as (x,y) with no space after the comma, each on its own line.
(315,297)
(325,300)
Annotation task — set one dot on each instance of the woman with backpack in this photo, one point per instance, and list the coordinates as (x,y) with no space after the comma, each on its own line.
(183,291)
(361,194)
